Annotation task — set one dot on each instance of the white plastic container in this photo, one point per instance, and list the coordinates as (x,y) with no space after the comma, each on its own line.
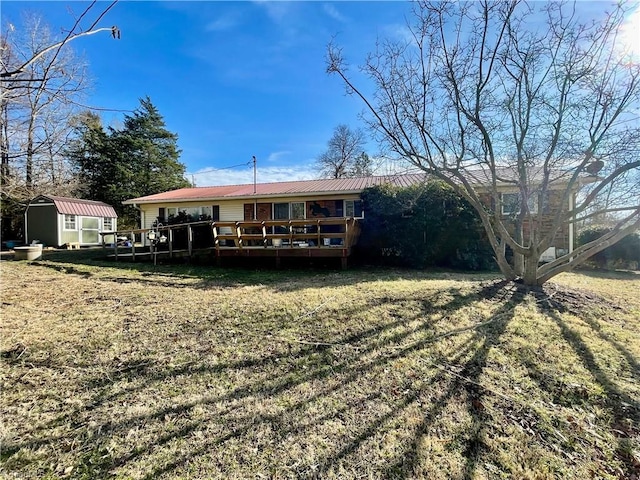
(30,252)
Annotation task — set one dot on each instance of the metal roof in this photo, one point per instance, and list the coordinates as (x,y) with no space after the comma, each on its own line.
(506,176)
(301,187)
(77,206)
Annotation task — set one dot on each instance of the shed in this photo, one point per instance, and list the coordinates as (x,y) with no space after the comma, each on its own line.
(56,221)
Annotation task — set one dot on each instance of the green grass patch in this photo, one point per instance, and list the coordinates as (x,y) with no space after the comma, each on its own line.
(140,371)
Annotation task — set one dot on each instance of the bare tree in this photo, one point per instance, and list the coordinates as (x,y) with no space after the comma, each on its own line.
(42,82)
(519,102)
(345,156)
(39,111)
(11,71)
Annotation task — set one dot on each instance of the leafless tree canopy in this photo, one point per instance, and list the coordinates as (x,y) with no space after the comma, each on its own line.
(42,82)
(529,96)
(345,156)
(37,107)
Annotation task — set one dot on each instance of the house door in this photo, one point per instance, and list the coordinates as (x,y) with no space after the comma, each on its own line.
(89,228)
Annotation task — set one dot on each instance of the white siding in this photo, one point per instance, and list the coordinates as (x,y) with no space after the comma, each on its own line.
(231,211)
(149,214)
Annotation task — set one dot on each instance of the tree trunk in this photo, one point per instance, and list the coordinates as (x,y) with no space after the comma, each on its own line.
(530,274)
(4,146)
(501,260)
(29,158)
(518,258)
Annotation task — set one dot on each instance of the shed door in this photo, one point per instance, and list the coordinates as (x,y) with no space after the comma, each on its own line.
(89,230)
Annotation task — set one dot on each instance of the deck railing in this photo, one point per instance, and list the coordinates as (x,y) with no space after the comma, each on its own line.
(337,234)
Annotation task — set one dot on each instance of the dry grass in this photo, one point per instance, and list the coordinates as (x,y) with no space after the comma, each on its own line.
(182,372)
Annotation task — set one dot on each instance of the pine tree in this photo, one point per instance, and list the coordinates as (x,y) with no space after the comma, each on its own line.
(150,151)
(140,159)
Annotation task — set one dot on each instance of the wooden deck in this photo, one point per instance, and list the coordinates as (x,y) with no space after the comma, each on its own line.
(327,237)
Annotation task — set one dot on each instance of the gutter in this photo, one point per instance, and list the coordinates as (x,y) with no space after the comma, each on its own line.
(244,197)
(139,210)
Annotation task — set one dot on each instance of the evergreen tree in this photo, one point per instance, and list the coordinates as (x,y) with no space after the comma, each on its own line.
(362,166)
(140,159)
(150,151)
(88,152)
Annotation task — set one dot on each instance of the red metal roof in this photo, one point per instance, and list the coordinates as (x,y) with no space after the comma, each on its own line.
(505,176)
(77,206)
(301,187)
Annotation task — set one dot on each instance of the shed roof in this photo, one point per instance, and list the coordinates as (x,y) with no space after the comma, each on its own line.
(77,206)
(300,187)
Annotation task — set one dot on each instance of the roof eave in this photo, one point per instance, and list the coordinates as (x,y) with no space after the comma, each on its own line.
(252,196)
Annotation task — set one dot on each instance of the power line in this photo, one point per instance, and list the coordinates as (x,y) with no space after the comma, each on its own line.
(209,170)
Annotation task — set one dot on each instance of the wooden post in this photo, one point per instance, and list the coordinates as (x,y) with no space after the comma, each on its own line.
(347,232)
(133,246)
(264,235)
(214,232)
(238,235)
(290,235)
(170,240)
(190,239)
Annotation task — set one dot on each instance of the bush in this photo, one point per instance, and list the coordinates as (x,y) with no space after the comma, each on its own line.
(202,234)
(422,226)
(623,254)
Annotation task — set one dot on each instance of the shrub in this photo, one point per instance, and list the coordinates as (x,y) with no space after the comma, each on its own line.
(422,226)
(623,254)
(202,234)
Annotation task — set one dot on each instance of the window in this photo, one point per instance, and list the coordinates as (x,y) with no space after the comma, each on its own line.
(107,224)
(280,211)
(215,213)
(297,210)
(511,203)
(353,208)
(70,222)
(193,214)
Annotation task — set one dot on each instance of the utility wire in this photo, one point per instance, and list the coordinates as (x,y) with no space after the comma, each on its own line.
(222,168)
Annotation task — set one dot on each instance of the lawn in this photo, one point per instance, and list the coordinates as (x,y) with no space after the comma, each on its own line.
(136,371)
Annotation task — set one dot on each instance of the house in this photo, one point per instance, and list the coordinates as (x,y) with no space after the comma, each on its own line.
(55,221)
(560,194)
(305,199)
(311,218)
(310,200)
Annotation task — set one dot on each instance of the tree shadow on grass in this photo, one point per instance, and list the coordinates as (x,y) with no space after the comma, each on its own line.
(367,351)
(283,429)
(403,400)
(624,409)
(579,304)
(465,382)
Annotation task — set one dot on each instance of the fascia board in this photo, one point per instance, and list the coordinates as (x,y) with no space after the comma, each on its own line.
(245,197)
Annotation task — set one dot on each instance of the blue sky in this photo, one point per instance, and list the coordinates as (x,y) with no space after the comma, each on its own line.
(232,79)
